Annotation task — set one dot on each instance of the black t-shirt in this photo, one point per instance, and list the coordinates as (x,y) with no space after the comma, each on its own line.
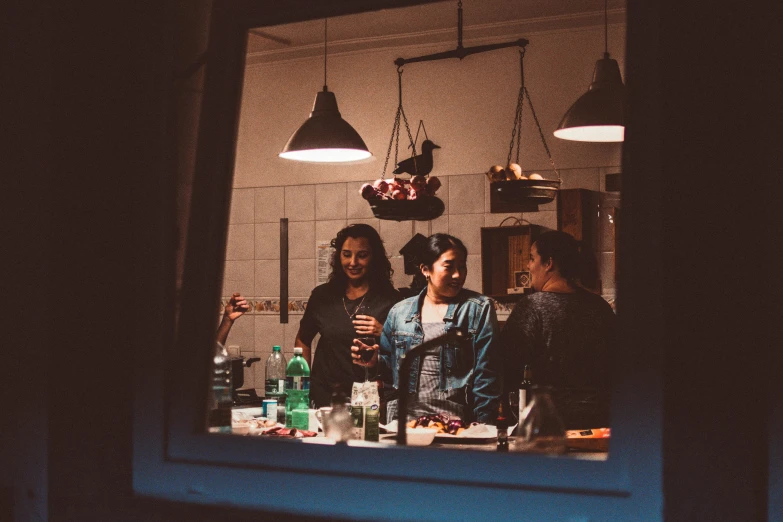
(326,314)
(567,340)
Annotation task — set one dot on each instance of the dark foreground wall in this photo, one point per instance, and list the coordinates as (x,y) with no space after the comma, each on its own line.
(88,114)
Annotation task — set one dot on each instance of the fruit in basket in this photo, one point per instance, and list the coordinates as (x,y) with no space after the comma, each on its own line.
(419,183)
(536,175)
(381,185)
(433,184)
(397,184)
(399,194)
(414,194)
(496,173)
(369,192)
(513,171)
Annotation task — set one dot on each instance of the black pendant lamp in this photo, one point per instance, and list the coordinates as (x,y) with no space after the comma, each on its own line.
(598,114)
(325,137)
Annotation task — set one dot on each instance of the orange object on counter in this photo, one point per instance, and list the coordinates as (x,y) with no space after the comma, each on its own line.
(591,433)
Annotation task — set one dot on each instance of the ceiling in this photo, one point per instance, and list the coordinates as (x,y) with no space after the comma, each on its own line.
(483,21)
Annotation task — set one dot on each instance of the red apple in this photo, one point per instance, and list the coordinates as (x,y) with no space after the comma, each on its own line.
(381,186)
(433,184)
(397,184)
(418,183)
(398,194)
(368,192)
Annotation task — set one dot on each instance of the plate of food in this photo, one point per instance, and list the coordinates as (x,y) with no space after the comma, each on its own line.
(450,428)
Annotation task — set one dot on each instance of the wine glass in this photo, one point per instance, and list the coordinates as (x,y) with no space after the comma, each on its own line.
(370,340)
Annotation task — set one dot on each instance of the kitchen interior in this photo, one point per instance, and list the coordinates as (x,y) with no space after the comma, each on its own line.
(466,106)
(682,458)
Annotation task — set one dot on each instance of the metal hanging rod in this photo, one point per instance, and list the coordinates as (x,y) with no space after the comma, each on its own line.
(461,52)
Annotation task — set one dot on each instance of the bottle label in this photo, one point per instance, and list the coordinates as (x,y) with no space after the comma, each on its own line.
(297,383)
(366,422)
(274,387)
(522,403)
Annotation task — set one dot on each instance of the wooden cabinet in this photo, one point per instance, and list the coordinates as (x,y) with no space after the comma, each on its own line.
(504,251)
(578,215)
(591,217)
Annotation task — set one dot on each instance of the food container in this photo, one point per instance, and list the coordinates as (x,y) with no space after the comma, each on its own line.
(269,408)
(420,436)
(365,411)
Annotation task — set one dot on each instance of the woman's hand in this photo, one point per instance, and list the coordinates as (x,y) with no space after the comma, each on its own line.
(356,353)
(367,325)
(235,307)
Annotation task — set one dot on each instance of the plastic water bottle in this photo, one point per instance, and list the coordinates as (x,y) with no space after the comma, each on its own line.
(275,377)
(221,400)
(297,388)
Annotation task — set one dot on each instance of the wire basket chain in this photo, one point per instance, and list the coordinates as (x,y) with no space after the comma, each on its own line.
(541,133)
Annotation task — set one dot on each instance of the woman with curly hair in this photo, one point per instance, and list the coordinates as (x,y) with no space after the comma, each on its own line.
(353,303)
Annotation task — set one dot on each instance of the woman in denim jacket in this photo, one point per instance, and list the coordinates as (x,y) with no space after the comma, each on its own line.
(462,381)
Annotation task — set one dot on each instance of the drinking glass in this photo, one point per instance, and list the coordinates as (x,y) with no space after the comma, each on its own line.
(369,340)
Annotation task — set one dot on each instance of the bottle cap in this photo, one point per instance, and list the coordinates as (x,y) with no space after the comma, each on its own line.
(275,348)
(297,350)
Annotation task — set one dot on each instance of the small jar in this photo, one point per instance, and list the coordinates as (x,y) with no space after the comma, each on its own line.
(541,428)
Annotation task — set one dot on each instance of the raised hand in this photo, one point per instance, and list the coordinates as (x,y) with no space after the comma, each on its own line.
(235,307)
(364,354)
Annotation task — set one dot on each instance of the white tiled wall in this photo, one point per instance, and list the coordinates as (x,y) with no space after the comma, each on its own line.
(316,212)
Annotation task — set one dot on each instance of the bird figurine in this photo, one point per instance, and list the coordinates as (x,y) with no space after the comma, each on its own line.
(418,165)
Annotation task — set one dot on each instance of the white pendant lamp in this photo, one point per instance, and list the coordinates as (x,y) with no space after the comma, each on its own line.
(598,115)
(325,137)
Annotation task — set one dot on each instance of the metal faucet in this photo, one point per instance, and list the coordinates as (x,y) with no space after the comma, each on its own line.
(452,335)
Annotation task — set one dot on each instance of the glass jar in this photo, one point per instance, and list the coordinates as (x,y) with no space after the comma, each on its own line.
(541,428)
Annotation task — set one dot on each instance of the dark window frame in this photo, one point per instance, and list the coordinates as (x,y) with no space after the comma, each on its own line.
(223,469)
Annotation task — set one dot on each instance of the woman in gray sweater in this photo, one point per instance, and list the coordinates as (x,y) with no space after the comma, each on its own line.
(564,332)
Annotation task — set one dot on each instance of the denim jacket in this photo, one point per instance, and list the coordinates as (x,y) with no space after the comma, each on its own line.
(476,369)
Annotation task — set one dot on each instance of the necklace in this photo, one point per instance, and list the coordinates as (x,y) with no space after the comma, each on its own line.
(350,315)
(439,309)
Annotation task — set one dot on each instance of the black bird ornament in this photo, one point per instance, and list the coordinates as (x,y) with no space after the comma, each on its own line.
(418,165)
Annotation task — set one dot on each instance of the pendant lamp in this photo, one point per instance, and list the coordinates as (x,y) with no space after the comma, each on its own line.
(325,137)
(597,115)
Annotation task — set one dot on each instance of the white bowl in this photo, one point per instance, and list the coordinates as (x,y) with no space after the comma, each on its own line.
(420,436)
(240,428)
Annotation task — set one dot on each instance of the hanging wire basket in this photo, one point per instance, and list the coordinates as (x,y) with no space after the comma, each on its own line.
(426,206)
(537,191)
(422,209)
(517,188)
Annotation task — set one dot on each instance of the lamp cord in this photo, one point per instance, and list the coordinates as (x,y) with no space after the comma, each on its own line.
(606,30)
(325,20)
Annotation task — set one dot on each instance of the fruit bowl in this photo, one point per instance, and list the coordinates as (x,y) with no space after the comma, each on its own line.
(423,208)
(536,191)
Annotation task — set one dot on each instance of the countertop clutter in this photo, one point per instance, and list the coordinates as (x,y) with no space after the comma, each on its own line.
(592,444)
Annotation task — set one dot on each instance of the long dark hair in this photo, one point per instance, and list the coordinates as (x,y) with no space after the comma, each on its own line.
(576,263)
(436,245)
(379,271)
